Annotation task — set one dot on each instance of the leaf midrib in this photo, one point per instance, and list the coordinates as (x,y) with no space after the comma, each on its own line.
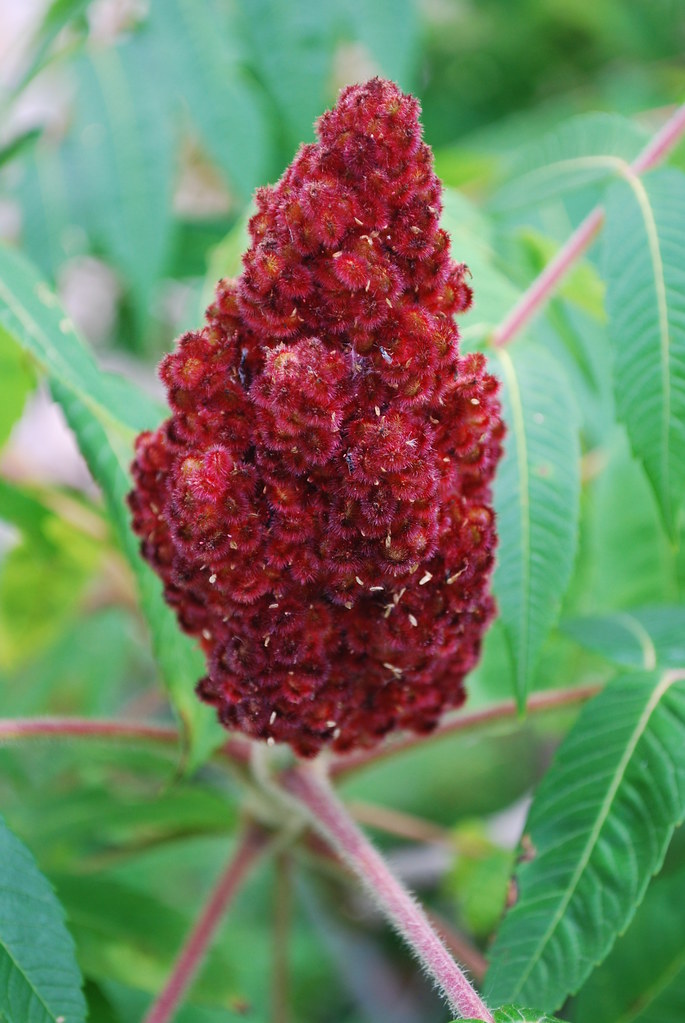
(518,423)
(652,233)
(99,411)
(551,170)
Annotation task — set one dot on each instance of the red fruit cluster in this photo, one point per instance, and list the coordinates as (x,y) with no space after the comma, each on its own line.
(318,504)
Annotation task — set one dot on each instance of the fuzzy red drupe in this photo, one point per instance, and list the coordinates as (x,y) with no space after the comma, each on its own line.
(318,504)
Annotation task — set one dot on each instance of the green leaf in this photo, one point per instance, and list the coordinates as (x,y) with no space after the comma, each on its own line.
(58,15)
(105,412)
(627,561)
(536,499)
(39,979)
(124,163)
(644,263)
(291,51)
(472,242)
(514,1014)
(598,829)
(16,146)
(46,193)
(642,638)
(199,64)
(643,979)
(582,151)
(16,383)
(389,32)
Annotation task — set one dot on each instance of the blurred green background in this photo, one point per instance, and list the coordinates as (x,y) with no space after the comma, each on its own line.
(134,133)
(131,138)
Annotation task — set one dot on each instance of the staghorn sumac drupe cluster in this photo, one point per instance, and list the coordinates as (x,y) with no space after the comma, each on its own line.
(318,504)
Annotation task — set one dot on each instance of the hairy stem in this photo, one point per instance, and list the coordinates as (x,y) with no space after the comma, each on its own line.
(13,729)
(463,950)
(544,285)
(331,818)
(553,699)
(197,945)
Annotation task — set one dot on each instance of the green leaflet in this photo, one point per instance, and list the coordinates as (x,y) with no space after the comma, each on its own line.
(618,774)
(16,383)
(200,70)
(124,163)
(643,979)
(641,638)
(644,265)
(105,412)
(585,150)
(39,978)
(59,14)
(536,499)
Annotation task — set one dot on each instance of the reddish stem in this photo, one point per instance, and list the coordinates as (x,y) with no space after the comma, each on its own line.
(554,699)
(117,731)
(472,958)
(543,286)
(330,817)
(86,728)
(195,949)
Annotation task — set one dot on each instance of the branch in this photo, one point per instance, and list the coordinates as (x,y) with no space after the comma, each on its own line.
(553,699)
(543,286)
(402,825)
(197,945)
(13,729)
(330,817)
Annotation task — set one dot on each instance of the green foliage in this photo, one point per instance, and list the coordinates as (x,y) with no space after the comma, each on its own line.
(16,383)
(640,638)
(536,498)
(170,119)
(584,151)
(201,72)
(643,979)
(646,307)
(124,164)
(581,879)
(122,932)
(104,412)
(39,979)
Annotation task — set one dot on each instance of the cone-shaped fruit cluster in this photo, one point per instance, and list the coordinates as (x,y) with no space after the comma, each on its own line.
(318,505)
